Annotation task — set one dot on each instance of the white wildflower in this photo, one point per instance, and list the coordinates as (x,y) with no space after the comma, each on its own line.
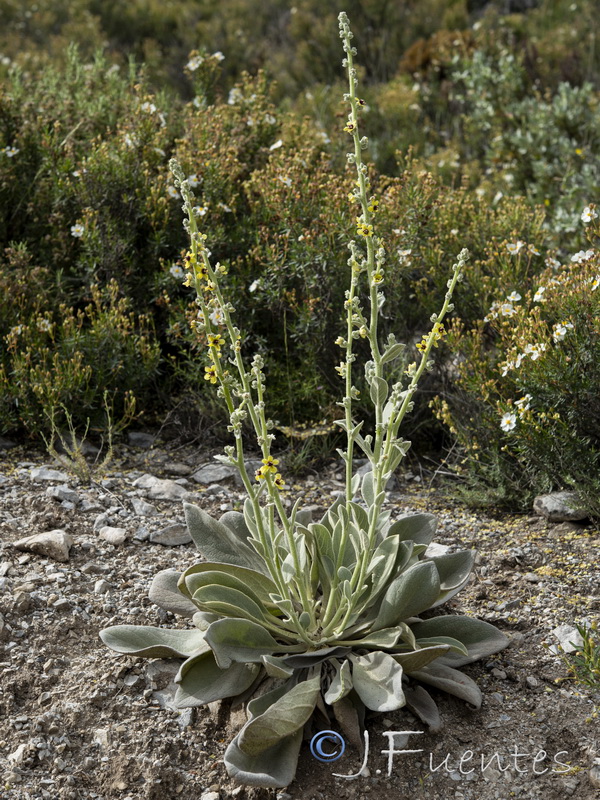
(200,211)
(514,297)
(194,181)
(276,145)
(515,247)
(172,191)
(149,108)
(194,63)
(538,297)
(218,56)
(11,152)
(508,422)
(507,309)
(523,403)
(588,214)
(560,330)
(77,230)
(581,256)
(176,271)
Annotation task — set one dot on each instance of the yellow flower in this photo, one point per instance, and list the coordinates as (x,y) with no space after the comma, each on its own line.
(215,340)
(259,474)
(350,127)
(373,205)
(270,464)
(378,277)
(210,374)
(279,482)
(201,272)
(363,229)
(352,197)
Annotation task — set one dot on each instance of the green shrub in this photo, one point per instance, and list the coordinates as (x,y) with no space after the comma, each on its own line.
(526,407)
(69,360)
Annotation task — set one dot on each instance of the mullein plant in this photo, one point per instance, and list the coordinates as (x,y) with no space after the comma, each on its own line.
(313,623)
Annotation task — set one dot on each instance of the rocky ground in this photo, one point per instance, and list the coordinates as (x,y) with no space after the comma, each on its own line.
(79,722)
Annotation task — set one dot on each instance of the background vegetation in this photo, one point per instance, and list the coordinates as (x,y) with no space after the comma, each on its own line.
(483,126)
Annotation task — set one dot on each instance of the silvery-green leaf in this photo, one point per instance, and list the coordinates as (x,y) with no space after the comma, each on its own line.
(237,524)
(260,585)
(378,390)
(274,768)
(359,514)
(344,574)
(388,410)
(305,619)
(382,563)
(355,484)
(276,667)
(229,603)
(449,680)
(367,450)
(392,351)
(217,542)
(341,683)
(420,528)
(454,645)
(148,642)
(313,657)
(200,579)
(388,637)
(202,619)
(409,594)
(417,659)
(202,681)
(349,713)
(165,594)
(422,705)
(454,570)
(239,640)
(304,516)
(322,538)
(377,679)
(480,638)
(288,570)
(398,450)
(282,719)
(367,489)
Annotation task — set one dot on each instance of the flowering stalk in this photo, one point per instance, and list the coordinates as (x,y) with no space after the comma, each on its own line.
(244,397)
(384,450)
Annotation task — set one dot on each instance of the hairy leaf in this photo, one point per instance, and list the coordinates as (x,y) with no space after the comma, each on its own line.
(239,640)
(422,705)
(454,570)
(202,681)
(411,593)
(418,527)
(377,679)
(417,659)
(165,593)
(148,642)
(282,719)
(451,681)
(259,585)
(217,541)
(480,638)
(274,768)
(341,683)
